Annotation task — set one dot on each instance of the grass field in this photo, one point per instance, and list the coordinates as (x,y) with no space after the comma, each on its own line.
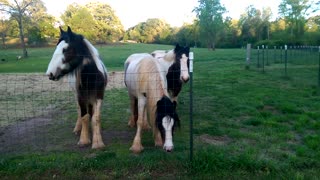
(247,124)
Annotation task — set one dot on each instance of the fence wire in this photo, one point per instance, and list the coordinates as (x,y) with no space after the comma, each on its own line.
(299,63)
(38,115)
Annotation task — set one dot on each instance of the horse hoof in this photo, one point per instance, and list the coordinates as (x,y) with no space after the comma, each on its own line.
(136,149)
(131,124)
(98,146)
(83,143)
(76,132)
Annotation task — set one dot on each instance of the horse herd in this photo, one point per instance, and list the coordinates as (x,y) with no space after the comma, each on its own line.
(153,82)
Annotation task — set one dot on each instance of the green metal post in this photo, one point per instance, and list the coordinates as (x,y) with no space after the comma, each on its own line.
(191,104)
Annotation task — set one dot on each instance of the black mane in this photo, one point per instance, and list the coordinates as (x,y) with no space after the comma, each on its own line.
(90,77)
(173,76)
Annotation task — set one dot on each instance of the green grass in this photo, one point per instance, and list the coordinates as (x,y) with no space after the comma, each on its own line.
(269,125)
(113,56)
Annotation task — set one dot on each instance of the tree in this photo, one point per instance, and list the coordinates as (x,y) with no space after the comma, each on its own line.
(96,21)
(81,20)
(152,31)
(211,21)
(18,10)
(294,12)
(109,27)
(4,27)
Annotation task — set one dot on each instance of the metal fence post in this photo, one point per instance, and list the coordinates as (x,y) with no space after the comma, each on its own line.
(191,104)
(267,51)
(281,55)
(285,59)
(319,68)
(258,63)
(275,54)
(262,58)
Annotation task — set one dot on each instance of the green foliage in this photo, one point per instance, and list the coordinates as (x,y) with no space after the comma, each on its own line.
(151,31)
(96,21)
(211,21)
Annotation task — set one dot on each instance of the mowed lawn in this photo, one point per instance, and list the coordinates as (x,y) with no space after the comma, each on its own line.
(247,124)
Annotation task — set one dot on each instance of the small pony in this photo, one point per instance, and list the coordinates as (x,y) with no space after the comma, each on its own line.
(175,66)
(147,89)
(76,58)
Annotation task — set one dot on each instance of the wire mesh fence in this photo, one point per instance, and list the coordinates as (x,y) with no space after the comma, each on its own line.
(38,115)
(300,63)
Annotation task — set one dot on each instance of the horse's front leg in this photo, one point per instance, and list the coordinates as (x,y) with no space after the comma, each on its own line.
(137,146)
(96,126)
(85,117)
(77,128)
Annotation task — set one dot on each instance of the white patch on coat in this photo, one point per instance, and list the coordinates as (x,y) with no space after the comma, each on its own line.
(167,123)
(57,59)
(184,75)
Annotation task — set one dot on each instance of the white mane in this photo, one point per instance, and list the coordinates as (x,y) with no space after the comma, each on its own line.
(96,57)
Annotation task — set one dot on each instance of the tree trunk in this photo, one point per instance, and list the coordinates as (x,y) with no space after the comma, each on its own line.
(3,38)
(23,45)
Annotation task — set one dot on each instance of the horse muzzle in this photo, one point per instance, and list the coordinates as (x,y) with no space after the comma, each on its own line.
(52,77)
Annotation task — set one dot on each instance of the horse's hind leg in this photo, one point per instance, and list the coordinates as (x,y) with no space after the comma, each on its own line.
(133,111)
(77,128)
(96,126)
(136,145)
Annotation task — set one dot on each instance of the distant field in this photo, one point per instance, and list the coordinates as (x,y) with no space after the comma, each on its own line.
(247,124)
(113,56)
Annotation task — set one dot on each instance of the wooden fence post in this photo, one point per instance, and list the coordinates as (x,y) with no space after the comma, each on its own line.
(248,59)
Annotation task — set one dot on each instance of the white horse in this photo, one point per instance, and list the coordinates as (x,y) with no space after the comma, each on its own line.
(147,89)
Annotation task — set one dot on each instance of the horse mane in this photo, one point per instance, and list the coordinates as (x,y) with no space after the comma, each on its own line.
(96,57)
(169,56)
(90,55)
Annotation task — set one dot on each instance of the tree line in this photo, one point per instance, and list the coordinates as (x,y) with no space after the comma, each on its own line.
(296,24)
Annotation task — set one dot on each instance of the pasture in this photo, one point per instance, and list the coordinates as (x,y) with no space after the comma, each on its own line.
(247,124)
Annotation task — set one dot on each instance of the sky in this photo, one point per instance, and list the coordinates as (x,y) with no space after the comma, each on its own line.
(174,12)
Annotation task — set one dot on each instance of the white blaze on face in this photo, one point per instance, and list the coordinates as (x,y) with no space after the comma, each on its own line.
(167,123)
(57,60)
(184,76)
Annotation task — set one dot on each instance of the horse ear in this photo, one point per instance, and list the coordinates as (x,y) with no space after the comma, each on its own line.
(176,49)
(69,30)
(188,48)
(61,30)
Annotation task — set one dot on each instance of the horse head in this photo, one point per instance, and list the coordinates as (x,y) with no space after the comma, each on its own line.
(182,60)
(166,120)
(66,56)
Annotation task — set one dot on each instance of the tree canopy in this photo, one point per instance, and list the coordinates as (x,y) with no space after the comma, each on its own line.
(297,23)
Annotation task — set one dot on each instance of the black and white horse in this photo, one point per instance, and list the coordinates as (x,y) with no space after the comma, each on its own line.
(76,58)
(175,66)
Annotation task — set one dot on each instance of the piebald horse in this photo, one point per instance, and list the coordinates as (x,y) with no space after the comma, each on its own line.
(76,58)
(147,89)
(175,66)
